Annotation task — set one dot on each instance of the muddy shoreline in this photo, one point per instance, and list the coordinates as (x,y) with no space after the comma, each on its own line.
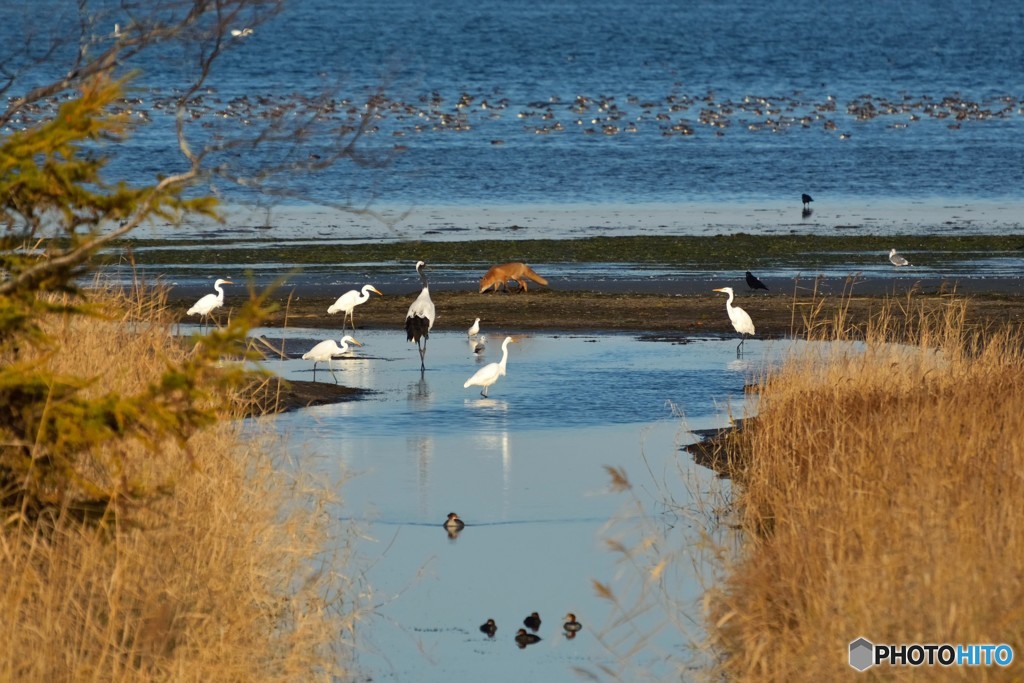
(774,315)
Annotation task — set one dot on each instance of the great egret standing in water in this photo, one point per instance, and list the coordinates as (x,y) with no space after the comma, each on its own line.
(206,305)
(325,351)
(897,260)
(348,301)
(741,322)
(489,374)
(420,318)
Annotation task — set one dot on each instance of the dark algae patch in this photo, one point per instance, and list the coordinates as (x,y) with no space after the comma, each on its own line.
(740,251)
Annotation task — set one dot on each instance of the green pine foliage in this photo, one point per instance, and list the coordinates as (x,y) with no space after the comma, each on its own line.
(63,440)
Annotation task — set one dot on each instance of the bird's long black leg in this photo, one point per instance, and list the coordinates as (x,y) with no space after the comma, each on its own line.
(423,354)
(330,366)
(314,369)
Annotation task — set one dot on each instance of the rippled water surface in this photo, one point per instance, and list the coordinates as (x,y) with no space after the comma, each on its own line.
(525,470)
(513,102)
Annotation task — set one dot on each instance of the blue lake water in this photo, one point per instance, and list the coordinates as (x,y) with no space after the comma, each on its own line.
(602,102)
(525,469)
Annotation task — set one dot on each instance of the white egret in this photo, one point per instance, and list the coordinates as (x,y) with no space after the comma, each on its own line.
(474,328)
(206,305)
(325,351)
(241,32)
(420,318)
(896,259)
(348,301)
(489,374)
(741,322)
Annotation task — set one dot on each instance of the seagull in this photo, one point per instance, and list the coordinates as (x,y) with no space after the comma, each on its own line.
(896,259)
(474,328)
(478,345)
(241,32)
(754,283)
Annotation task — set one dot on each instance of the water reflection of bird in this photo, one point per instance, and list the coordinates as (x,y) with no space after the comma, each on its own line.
(754,283)
(490,628)
(741,322)
(348,301)
(523,638)
(325,351)
(897,260)
(489,374)
(420,318)
(207,304)
(571,625)
(532,622)
(474,328)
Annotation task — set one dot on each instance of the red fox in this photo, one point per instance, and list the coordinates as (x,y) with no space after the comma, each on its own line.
(499,276)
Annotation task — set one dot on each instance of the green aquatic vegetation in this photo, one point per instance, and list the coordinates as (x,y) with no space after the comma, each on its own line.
(741,251)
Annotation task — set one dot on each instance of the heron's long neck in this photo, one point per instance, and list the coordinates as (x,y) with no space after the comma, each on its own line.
(728,303)
(423,278)
(504,357)
(220,293)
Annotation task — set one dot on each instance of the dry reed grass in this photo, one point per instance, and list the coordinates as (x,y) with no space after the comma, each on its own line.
(879,489)
(233,576)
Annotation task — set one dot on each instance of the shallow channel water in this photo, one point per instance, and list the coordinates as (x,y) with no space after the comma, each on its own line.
(525,470)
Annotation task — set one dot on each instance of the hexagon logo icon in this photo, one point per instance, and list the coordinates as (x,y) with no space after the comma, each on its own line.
(861,654)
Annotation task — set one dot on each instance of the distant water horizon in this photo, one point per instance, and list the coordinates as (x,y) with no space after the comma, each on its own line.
(735,105)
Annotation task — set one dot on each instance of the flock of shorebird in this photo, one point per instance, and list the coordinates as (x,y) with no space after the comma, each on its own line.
(419,321)
(669,115)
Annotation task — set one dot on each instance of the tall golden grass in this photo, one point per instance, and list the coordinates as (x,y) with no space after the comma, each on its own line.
(880,490)
(232,575)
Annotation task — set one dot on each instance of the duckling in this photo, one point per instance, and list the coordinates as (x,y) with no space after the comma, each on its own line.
(490,628)
(523,638)
(571,625)
(532,622)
